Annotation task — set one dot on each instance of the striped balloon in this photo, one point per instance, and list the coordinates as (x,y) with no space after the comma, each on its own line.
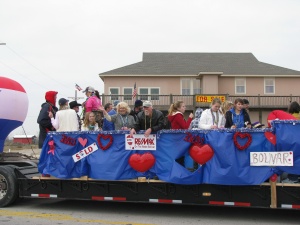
(14,107)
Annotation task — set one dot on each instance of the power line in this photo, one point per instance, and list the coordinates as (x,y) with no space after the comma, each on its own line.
(46,75)
(22,75)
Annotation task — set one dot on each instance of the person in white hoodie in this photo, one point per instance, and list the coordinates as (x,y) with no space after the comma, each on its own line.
(212,118)
(65,118)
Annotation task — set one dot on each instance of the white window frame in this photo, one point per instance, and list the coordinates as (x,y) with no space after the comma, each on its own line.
(235,85)
(191,81)
(265,85)
(149,93)
(129,96)
(114,97)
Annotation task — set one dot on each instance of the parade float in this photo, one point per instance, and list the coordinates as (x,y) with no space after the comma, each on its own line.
(234,167)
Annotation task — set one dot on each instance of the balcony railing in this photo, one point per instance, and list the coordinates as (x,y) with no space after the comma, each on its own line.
(163,102)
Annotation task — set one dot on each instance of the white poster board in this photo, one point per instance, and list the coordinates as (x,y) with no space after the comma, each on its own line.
(271,158)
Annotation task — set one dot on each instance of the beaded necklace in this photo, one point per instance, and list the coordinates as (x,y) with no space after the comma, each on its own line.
(146,120)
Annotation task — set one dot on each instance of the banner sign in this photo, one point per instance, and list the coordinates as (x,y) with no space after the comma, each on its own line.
(85,152)
(140,142)
(271,158)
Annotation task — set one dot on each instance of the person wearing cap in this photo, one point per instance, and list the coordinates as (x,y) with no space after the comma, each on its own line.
(43,119)
(66,118)
(92,103)
(138,107)
(122,120)
(150,120)
(75,106)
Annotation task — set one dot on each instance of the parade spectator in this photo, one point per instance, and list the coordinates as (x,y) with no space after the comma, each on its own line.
(246,105)
(138,107)
(279,115)
(294,110)
(150,120)
(226,106)
(66,118)
(75,106)
(43,119)
(195,122)
(237,117)
(176,116)
(108,125)
(122,120)
(92,104)
(212,118)
(89,122)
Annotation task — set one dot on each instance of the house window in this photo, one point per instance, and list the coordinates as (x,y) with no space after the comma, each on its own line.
(145,92)
(154,93)
(269,86)
(240,86)
(114,92)
(190,86)
(128,93)
(196,86)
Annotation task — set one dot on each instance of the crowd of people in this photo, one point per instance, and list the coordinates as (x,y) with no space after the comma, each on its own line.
(119,116)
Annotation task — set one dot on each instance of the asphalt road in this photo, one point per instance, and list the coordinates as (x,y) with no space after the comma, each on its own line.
(67,212)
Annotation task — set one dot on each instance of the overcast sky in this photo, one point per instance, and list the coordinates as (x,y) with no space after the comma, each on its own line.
(53,44)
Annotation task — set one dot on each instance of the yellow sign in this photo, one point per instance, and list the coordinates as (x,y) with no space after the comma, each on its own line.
(209,98)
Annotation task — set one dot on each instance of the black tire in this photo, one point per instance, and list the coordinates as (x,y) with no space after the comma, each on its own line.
(8,186)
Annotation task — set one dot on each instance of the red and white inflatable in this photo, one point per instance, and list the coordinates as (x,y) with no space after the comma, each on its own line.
(14,107)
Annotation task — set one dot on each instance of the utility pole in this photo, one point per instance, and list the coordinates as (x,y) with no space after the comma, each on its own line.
(75,98)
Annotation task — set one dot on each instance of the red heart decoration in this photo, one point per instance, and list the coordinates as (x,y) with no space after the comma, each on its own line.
(82,141)
(242,135)
(141,162)
(271,137)
(105,137)
(201,154)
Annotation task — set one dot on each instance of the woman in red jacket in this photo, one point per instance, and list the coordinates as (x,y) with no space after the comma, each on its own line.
(176,117)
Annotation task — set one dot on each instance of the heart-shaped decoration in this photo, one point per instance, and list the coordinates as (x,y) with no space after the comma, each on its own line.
(82,141)
(105,137)
(141,162)
(271,137)
(242,136)
(201,154)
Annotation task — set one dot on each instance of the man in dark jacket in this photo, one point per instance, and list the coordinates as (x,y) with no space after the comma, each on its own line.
(150,120)
(75,106)
(44,120)
(138,107)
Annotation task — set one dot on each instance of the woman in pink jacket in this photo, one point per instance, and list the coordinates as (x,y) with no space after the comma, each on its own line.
(92,104)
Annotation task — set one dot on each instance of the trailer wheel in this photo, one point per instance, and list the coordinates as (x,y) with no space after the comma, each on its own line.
(8,186)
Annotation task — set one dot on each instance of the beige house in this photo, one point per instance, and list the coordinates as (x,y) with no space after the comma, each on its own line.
(185,75)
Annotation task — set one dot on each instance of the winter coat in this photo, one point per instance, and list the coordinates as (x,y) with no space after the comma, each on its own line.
(178,122)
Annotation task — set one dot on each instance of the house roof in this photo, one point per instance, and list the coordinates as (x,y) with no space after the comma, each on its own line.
(195,63)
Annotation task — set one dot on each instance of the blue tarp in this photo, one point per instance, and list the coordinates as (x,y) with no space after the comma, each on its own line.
(228,166)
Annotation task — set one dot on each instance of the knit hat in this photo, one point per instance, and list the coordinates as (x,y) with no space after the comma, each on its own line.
(138,103)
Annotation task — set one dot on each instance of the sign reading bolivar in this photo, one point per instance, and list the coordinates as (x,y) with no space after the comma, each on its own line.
(209,98)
